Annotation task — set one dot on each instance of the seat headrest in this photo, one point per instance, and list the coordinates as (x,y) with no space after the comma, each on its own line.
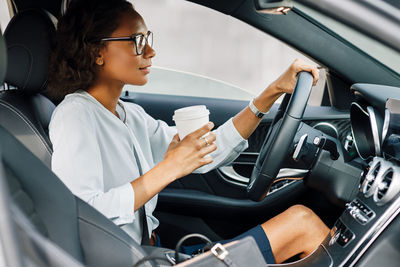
(29,37)
(3,59)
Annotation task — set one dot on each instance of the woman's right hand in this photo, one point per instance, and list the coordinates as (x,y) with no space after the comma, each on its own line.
(185,156)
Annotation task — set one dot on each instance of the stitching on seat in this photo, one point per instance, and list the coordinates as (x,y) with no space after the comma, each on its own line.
(31,126)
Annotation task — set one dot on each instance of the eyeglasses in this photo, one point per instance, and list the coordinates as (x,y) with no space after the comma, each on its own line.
(139,39)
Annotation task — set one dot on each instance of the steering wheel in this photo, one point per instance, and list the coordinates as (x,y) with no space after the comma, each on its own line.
(279,139)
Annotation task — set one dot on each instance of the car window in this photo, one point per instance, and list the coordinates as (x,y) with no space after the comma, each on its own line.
(376,49)
(4,14)
(201,52)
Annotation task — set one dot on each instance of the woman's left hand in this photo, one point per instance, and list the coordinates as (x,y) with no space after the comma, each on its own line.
(287,81)
(245,122)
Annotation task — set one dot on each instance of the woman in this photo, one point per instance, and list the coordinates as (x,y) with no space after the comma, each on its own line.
(116,157)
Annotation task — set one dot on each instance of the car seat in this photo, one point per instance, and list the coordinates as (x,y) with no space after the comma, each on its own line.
(59,216)
(72,224)
(24,111)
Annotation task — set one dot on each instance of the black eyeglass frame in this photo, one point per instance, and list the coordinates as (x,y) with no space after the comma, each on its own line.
(133,38)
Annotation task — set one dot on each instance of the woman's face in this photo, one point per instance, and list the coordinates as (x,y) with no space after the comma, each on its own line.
(121,63)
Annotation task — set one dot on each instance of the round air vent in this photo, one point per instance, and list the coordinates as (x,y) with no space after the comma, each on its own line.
(388,186)
(369,183)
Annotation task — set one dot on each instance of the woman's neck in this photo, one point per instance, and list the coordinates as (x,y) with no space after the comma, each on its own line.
(107,95)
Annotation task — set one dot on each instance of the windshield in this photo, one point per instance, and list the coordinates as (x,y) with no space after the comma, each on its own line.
(375,49)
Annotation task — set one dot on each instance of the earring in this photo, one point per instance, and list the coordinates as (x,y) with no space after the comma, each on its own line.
(99,61)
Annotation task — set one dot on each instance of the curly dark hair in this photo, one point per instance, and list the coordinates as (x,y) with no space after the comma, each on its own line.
(78,43)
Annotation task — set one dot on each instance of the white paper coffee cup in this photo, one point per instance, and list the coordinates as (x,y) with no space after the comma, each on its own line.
(189,119)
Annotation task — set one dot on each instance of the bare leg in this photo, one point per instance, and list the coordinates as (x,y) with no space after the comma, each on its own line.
(297,230)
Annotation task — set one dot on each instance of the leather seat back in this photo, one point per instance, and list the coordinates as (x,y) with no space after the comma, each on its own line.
(42,197)
(72,224)
(24,111)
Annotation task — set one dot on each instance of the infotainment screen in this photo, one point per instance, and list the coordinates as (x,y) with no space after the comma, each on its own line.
(391,129)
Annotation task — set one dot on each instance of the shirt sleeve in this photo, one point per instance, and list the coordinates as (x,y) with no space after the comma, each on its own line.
(77,162)
(229,146)
(228,140)
(160,135)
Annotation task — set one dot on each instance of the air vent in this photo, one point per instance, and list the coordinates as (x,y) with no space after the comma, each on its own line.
(388,186)
(369,184)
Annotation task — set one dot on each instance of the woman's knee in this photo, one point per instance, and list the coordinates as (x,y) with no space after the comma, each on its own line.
(306,218)
(301,212)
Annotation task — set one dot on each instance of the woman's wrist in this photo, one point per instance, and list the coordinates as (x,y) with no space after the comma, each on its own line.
(169,170)
(264,101)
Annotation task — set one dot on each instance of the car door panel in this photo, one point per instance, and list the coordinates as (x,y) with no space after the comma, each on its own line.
(214,196)
(162,107)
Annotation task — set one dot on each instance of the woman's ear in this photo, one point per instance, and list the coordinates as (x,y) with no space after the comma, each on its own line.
(100,60)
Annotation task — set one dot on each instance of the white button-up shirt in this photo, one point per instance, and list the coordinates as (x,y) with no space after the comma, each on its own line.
(93,154)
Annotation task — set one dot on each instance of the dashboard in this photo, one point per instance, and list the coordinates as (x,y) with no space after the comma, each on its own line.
(366,233)
(375,125)
(375,121)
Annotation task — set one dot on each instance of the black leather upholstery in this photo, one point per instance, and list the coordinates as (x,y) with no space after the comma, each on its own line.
(113,246)
(71,223)
(18,116)
(25,112)
(44,192)
(28,37)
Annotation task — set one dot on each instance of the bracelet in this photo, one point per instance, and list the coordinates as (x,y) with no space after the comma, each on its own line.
(255,110)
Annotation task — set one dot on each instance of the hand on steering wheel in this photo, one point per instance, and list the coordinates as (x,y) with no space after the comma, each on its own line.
(279,138)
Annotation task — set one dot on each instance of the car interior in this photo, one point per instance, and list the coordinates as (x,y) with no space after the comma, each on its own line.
(341,159)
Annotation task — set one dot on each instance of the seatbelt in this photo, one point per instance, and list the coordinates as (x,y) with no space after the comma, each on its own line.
(142,210)
(145,228)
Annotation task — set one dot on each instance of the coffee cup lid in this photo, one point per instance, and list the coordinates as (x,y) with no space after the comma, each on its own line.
(189,113)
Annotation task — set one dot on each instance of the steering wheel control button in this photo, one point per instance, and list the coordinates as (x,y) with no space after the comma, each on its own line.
(360,212)
(328,145)
(301,148)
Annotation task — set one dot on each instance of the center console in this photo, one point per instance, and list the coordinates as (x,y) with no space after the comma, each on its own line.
(370,214)
(367,216)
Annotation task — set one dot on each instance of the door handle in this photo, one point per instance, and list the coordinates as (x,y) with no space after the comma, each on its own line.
(229,172)
(231,176)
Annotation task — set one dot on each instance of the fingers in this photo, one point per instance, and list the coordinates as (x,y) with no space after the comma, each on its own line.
(202,131)
(203,141)
(206,160)
(204,154)
(314,71)
(299,65)
(207,150)
(208,139)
